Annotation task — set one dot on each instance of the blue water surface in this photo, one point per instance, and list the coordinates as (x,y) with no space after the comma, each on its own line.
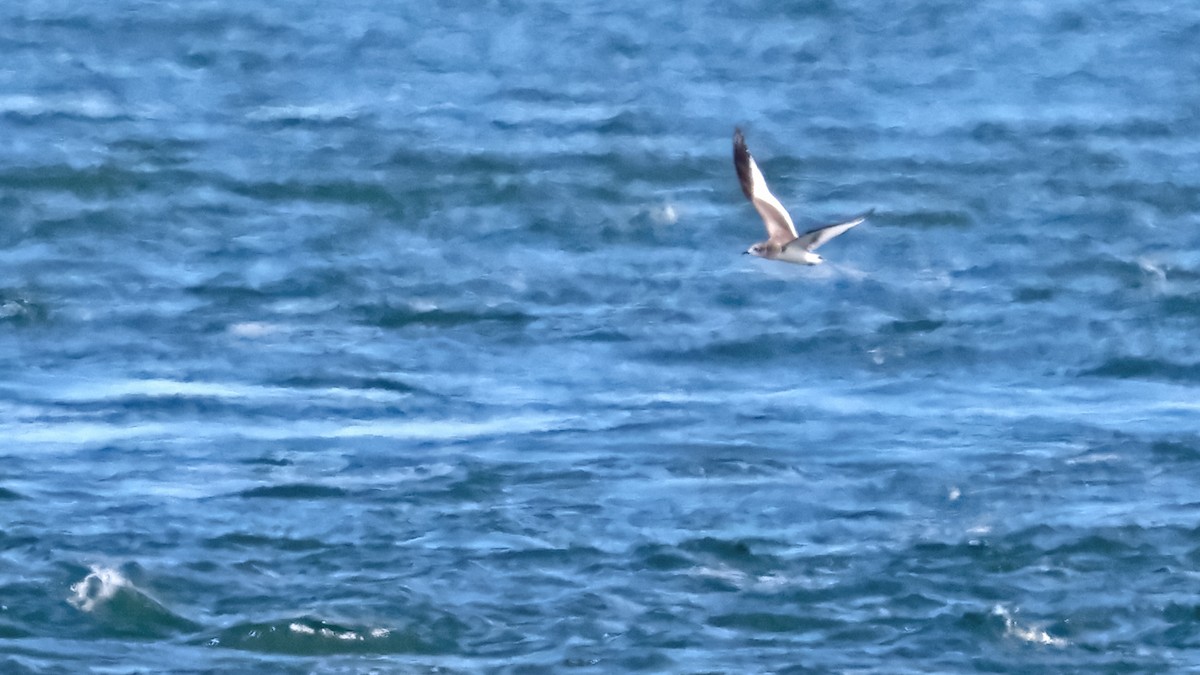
(416,337)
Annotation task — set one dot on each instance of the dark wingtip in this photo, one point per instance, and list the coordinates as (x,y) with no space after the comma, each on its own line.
(862,216)
(741,161)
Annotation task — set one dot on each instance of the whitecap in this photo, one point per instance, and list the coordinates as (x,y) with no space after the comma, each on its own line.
(253,329)
(99,586)
(1035,635)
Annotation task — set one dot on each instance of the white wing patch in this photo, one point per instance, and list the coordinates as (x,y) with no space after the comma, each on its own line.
(778,221)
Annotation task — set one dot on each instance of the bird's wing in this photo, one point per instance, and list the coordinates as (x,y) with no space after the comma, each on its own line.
(780,229)
(813,239)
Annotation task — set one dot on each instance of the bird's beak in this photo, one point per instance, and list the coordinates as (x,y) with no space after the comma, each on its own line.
(745,252)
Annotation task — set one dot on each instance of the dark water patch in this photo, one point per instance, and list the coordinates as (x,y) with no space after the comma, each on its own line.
(1168,197)
(82,226)
(647,661)
(1177,450)
(163,152)
(536,95)
(448,166)
(602,335)
(245,540)
(773,622)
(564,477)
(1096,551)
(1124,273)
(739,553)
(231,290)
(985,626)
(11,632)
(268,461)
(1131,367)
(629,123)
(1032,294)
(661,558)
(700,460)
(1183,613)
(10,495)
(904,346)
(640,168)
(337,381)
(950,558)
(866,514)
(534,558)
(301,491)
(157,406)
(1181,305)
(276,120)
(238,295)
(349,193)
(89,182)
(761,348)
(733,551)
(1141,128)
(931,219)
(992,132)
(911,326)
(403,317)
(481,484)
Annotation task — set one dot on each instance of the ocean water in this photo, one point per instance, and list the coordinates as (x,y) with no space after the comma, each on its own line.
(387,337)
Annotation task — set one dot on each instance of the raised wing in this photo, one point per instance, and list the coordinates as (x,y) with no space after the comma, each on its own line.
(780,229)
(813,239)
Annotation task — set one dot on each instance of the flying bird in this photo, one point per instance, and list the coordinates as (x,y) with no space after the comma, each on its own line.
(782,241)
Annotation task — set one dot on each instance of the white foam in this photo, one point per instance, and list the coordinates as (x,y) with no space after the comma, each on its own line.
(152,387)
(349,635)
(83,105)
(90,391)
(722,573)
(1027,634)
(70,434)
(665,214)
(81,433)
(100,585)
(254,329)
(442,430)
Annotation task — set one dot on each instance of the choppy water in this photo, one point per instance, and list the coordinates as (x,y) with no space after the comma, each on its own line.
(411,337)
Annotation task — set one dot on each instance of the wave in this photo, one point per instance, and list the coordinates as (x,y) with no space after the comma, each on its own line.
(123,609)
(310,636)
(401,317)
(1134,367)
(79,105)
(303,491)
(337,381)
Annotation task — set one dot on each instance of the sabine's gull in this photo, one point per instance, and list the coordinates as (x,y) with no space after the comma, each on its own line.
(782,241)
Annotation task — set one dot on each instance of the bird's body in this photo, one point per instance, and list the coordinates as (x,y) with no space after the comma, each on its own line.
(782,241)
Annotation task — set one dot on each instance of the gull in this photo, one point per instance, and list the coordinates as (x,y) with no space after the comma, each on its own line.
(782,241)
